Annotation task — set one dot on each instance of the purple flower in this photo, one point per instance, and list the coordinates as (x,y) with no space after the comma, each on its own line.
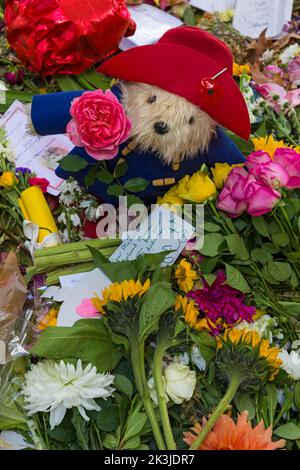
(222,304)
(23,170)
(15,77)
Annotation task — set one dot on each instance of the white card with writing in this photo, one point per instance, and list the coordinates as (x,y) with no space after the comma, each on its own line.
(38,153)
(213,5)
(151,24)
(253,16)
(163,230)
(88,286)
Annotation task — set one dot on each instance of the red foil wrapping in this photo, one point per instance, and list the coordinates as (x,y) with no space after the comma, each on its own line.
(65,36)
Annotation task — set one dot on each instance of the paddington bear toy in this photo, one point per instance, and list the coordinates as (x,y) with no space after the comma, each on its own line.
(176,93)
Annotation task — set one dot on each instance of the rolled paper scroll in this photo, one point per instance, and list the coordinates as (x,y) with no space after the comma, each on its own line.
(35,209)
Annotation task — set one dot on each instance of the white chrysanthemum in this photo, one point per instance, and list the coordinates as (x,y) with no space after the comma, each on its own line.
(265,326)
(289,53)
(54,388)
(290,363)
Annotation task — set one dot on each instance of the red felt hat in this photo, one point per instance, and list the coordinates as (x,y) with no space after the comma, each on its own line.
(184,62)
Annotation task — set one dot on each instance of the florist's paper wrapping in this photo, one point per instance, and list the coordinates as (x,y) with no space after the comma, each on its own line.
(12,287)
(34,205)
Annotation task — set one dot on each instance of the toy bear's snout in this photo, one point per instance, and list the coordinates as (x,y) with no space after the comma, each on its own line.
(161,127)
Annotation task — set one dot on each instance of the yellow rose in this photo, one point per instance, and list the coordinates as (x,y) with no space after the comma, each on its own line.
(220,173)
(171,197)
(8,179)
(197,188)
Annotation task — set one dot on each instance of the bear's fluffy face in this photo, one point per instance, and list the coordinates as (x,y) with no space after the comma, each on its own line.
(166,123)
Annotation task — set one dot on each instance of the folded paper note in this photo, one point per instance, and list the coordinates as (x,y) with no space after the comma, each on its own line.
(213,5)
(151,24)
(35,209)
(40,154)
(253,16)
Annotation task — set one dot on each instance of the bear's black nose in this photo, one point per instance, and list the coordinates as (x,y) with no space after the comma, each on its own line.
(161,127)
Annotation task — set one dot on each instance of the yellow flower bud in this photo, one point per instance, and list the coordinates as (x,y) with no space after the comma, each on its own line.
(8,179)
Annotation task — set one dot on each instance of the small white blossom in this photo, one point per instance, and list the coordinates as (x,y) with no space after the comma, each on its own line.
(54,388)
(75,219)
(267,56)
(289,53)
(265,326)
(62,218)
(197,358)
(290,363)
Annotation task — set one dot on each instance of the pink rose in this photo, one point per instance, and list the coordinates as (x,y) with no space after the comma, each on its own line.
(242,192)
(260,198)
(98,124)
(87,309)
(276,95)
(289,159)
(265,170)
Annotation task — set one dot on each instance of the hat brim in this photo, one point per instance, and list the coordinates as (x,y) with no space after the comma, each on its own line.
(179,70)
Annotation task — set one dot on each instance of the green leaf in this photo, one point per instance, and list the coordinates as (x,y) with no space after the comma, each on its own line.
(189,17)
(243,402)
(210,278)
(292,308)
(211,227)
(288,431)
(73,163)
(136,185)
(132,199)
(90,177)
(261,256)
(135,424)
(87,339)
(110,441)
(245,147)
(261,226)
(272,402)
(67,83)
(159,298)
(104,176)
(115,190)
(280,239)
(207,265)
(262,130)
(123,384)
(133,443)
(108,418)
(237,246)
(65,432)
(120,168)
(212,242)
(97,80)
(81,428)
(279,270)
(236,280)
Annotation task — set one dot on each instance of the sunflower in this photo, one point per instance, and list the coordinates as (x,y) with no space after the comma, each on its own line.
(240,338)
(228,435)
(269,145)
(185,276)
(119,291)
(190,313)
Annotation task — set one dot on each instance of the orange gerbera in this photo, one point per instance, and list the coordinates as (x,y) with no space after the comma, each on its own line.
(228,435)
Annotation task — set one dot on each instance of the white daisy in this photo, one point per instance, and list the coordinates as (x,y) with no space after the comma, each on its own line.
(54,388)
(290,363)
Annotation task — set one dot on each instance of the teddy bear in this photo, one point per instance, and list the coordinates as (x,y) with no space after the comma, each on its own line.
(176,94)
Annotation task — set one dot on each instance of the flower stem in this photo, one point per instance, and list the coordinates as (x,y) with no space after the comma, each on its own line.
(138,365)
(234,384)
(157,373)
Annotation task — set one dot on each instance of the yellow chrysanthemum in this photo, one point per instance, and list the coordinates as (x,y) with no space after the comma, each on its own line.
(191,313)
(49,320)
(119,291)
(185,275)
(8,179)
(239,70)
(220,173)
(253,339)
(270,145)
(196,188)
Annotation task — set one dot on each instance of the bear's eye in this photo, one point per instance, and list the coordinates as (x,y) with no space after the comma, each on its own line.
(152,99)
(191,120)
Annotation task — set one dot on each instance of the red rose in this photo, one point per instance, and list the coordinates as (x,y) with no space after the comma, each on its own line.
(43,183)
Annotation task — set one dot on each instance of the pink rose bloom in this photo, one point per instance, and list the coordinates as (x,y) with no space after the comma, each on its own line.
(260,198)
(294,71)
(242,192)
(289,159)
(99,124)
(232,196)
(87,309)
(265,170)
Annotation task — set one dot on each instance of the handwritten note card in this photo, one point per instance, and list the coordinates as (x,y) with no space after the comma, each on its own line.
(161,231)
(213,5)
(40,154)
(151,24)
(253,16)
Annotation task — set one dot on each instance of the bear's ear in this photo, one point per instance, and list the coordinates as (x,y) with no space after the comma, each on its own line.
(152,99)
